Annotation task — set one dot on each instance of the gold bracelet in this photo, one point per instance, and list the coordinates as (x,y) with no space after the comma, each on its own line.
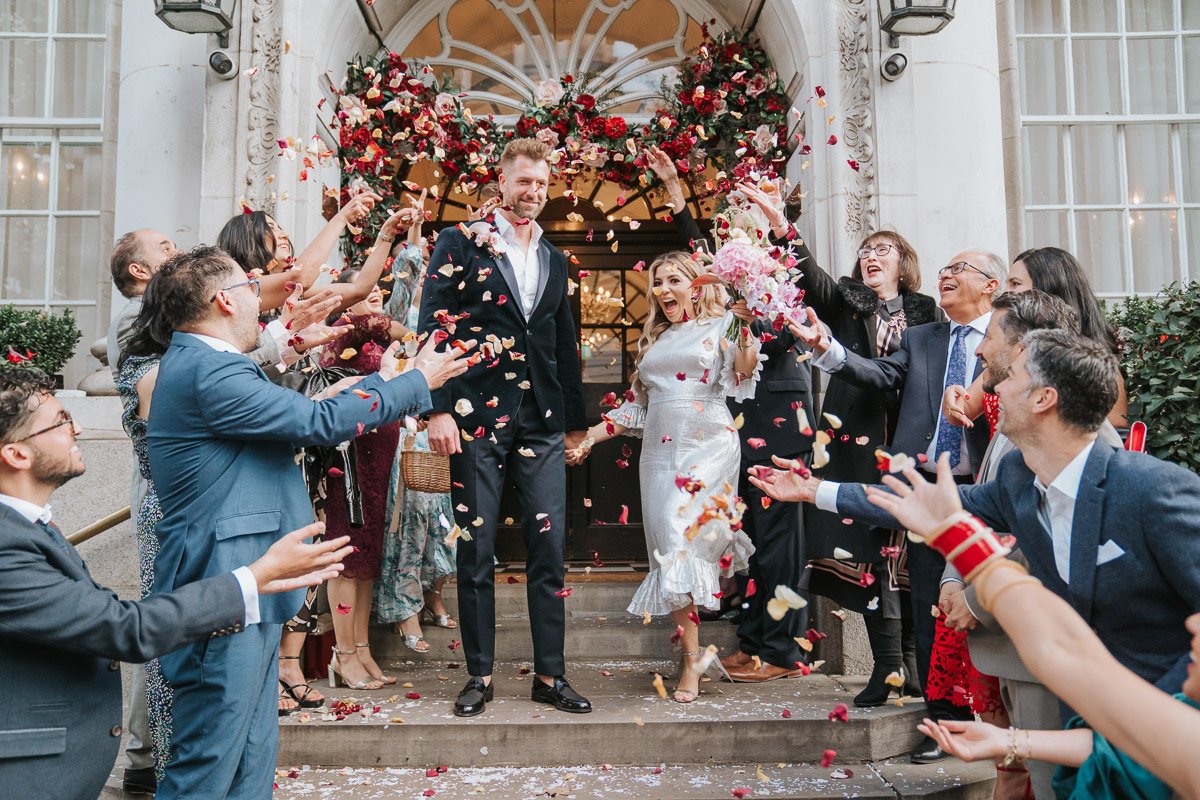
(1011,756)
(383,237)
(988,599)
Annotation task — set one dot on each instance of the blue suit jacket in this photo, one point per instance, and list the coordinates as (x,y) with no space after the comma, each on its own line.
(62,638)
(222,441)
(1137,602)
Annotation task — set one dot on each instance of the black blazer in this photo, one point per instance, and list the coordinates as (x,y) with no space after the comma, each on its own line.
(62,638)
(783,381)
(540,354)
(918,371)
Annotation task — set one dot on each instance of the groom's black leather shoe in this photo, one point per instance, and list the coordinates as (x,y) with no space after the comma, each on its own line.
(560,695)
(473,697)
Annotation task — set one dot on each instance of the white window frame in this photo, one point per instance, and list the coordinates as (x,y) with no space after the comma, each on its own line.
(1120,122)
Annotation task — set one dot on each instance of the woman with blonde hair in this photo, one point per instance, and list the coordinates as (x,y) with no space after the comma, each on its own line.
(685,368)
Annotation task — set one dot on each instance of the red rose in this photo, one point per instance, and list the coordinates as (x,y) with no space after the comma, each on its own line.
(568,79)
(685,97)
(362,137)
(586,102)
(598,126)
(615,127)
(526,126)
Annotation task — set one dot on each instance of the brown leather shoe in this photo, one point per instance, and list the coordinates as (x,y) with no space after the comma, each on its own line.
(767,672)
(736,661)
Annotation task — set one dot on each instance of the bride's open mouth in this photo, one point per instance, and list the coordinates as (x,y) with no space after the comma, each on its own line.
(669,305)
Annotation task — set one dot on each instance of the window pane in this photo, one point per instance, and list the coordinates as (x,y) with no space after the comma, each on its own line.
(1152,76)
(600,353)
(81,16)
(76,244)
(1043,76)
(79,169)
(1039,16)
(78,78)
(1155,240)
(1047,228)
(1100,248)
(23,247)
(1045,173)
(1091,16)
(1191,74)
(1191,15)
(1097,76)
(1189,145)
(1150,164)
(1150,15)
(1192,218)
(22,78)
(636,303)
(1094,155)
(600,298)
(25,16)
(26,175)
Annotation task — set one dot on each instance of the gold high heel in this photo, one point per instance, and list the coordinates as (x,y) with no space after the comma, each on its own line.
(337,678)
(388,680)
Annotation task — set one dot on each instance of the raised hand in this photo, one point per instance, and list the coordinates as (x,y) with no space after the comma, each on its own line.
(771,205)
(919,505)
(954,406)
(742,311)
(359,206)
(299,313)
(489,205)
(441,367)
(791,483)
(811,331)
(291,563)
(970,741)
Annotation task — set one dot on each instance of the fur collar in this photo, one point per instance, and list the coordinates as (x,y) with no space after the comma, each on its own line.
(918,308)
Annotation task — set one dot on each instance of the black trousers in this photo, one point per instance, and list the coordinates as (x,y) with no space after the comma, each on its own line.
(779,558)
(478,475)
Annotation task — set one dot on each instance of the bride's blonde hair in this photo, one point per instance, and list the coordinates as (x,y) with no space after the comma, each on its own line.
(709,302)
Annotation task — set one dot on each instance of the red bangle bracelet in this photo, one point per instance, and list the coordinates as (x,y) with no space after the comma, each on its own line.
(967,544)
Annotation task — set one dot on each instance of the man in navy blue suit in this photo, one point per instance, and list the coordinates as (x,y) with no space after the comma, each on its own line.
(1114,533)
(222,442)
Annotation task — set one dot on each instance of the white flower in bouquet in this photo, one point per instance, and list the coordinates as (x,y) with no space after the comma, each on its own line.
(547,93)
(444,104)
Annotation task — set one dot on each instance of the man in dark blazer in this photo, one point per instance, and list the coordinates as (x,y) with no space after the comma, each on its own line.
(1114,533)
(222,442)
(514,412)
(930,358)
(63,636)
(777,529)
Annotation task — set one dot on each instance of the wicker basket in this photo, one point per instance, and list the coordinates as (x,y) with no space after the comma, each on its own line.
(423,471)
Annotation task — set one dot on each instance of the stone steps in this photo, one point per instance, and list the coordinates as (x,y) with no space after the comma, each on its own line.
(891,780)
(780,721)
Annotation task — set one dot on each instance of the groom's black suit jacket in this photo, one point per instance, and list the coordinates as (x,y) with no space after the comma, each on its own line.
(540,353)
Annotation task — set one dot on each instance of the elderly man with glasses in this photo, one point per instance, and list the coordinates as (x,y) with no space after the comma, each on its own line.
(931,357)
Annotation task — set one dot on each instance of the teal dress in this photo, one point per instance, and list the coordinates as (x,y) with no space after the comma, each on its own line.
(1109,774)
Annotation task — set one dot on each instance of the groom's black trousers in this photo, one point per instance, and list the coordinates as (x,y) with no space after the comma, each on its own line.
(478,475)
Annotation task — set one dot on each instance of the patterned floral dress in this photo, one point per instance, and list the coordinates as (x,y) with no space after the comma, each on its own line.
(158,692)
(415,553)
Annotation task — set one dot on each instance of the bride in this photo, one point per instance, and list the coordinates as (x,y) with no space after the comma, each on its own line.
(684,370)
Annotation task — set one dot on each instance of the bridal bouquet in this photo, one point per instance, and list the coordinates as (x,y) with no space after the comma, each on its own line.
(762,275)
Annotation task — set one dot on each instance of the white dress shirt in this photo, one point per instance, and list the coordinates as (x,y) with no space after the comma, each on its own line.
(217,344)
(1056,508)
(525,262)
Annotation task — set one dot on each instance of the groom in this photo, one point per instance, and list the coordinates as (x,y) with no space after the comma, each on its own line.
(511,412)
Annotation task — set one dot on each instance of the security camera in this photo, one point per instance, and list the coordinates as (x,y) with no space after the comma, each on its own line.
(223,64)
(893,67)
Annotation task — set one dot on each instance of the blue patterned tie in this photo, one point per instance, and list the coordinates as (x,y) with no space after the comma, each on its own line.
(949,437)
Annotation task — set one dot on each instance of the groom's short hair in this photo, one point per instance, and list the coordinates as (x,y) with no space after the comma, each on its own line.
(533,149)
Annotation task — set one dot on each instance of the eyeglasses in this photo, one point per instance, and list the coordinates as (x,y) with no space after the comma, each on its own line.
(64,419)
(880,250)
(252,282)
(958,267)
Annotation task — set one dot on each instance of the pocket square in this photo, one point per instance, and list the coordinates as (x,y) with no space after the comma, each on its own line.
(1109,551)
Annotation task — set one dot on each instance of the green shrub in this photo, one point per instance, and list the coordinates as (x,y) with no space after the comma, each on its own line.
(1161,362)
(51,338)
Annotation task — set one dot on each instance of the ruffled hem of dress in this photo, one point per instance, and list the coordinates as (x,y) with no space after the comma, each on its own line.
(629,415)
(745,390)
(689,580)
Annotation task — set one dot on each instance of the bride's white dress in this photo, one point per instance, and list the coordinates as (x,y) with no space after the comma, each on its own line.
(687,432)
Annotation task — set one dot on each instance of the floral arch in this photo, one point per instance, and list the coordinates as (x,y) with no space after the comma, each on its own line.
(600,80)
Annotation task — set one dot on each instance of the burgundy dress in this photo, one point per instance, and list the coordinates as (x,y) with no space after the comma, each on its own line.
(369,336)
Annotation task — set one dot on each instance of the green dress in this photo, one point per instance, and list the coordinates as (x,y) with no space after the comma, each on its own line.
(1109,774)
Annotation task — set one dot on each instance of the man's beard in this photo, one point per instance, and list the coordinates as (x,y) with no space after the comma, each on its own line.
(54,472)
(247,331)
(525,209)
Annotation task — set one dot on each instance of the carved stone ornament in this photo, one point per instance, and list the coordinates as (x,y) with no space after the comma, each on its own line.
(263,106)
(858,124)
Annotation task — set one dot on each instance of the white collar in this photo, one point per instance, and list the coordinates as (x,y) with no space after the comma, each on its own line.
(1067,482)
(30,511)
(979,324)
(217,344)
(509,231)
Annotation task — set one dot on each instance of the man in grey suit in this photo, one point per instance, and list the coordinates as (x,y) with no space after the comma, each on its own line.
(930,358)
(1114,533)
(222,443)
(63,636)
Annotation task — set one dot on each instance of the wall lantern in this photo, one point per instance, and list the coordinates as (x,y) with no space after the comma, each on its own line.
(914,17)
(198,16)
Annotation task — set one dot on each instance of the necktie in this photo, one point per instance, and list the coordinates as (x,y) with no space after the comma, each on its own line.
(55,533)
(949,437)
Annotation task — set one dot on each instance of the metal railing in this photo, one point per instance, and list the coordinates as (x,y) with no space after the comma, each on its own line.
(99,526)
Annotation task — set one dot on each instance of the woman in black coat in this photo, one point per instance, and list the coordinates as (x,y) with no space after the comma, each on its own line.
(868,312)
